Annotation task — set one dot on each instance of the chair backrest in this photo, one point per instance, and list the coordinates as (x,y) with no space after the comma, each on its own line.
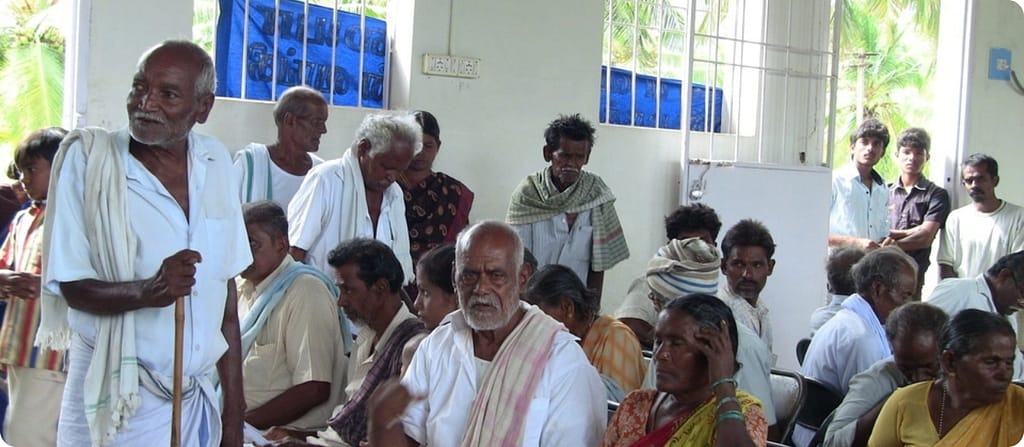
(819,437)
(801,349)
(787,394)
(613,406)
(820,399)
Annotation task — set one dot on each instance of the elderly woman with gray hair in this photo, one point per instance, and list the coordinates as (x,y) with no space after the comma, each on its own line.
(608,343)
(972,403)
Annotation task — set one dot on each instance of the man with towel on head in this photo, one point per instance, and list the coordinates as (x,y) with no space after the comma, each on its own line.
(688,266)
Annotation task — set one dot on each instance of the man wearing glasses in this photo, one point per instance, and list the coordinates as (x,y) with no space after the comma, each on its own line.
(998,290)
(275,171)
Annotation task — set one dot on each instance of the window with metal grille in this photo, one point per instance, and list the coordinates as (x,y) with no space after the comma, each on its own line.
(757,75)
(339,47)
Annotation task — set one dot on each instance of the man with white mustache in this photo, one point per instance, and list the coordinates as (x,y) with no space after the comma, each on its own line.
(496,372)
(140,218)
(275,171)
(565,215)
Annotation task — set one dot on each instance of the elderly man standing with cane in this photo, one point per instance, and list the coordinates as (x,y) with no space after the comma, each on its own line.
(139,218)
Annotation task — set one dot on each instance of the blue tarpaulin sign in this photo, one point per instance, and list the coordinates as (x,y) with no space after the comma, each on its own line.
(327,47)
(648,107)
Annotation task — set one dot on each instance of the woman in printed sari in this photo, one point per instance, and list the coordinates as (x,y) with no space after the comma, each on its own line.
(972,404)
(697,402)
(610,345)
(436,205)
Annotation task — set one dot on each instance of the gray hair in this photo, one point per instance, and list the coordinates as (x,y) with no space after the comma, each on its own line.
(268,215)
(883,265)
(486,227)
(206,79)
(296,100)
(837,270)
(912,319)
(379,129)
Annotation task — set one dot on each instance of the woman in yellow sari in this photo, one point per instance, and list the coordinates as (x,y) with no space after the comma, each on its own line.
(697,402)
(972,404)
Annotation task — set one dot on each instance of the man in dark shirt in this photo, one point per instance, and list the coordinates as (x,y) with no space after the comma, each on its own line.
(917,207)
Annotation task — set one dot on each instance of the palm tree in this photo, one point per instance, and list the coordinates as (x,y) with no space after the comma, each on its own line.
(32,67)
(898,62)
(653,35)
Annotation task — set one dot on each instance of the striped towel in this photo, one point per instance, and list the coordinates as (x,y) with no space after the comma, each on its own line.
(537,199)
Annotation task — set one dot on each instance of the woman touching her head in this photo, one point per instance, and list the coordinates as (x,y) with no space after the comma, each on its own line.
(696,402)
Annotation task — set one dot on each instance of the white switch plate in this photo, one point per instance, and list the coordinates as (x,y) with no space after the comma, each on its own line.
(453,66)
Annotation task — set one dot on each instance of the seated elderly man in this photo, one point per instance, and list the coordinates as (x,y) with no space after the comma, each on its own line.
(294,355)
(369,278)
(691,266)
(840,284)
(500,373)
(914,330)
(998,290)
(854,339)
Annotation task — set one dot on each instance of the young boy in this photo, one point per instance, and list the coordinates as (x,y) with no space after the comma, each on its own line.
(35,376)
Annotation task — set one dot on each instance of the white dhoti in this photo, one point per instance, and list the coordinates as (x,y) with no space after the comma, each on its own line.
(151,423)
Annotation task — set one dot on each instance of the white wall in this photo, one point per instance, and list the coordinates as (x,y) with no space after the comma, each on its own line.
(539,58)
(982,115)
(793,203)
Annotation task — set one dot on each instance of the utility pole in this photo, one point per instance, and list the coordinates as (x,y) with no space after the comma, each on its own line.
(861,65)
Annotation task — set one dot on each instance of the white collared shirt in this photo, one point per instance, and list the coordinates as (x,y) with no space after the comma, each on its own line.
(317,222)
(213,227)
(858,211)
(568,409)
(956,294)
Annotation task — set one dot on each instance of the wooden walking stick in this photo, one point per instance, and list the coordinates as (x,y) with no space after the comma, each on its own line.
(179,342)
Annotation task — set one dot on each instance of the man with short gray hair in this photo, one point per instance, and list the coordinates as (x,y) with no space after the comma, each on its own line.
(275,171)
(138,219)
(855,338)
(914,330)
(356,195)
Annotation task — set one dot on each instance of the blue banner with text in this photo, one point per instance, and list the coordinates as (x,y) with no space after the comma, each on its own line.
(642,103)
(330,60)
